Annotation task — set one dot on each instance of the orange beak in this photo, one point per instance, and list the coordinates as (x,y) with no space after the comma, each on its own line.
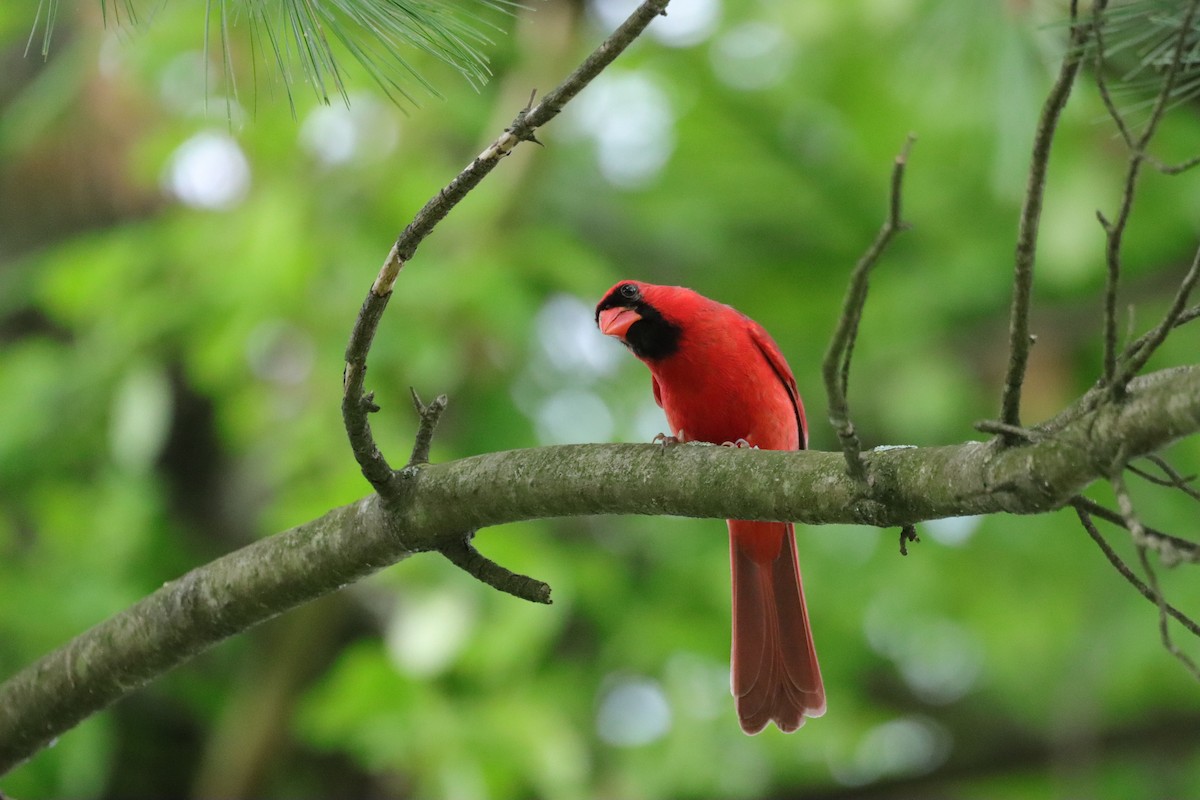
(615,321)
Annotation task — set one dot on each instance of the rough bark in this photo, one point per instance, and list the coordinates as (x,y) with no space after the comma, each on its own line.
(904,486)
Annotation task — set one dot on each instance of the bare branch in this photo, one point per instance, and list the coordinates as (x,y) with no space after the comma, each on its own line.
(1084,508)
(1136,356)
(237,591)
(1134,525)
(1187,315)
(1115,229)
(187,616)
(1013,433)
(429,414)
(355,405)
(1164,627)
(1171,549)
(836,366)
(1175,479)
(522,129)
(1098,64)
(462,554)
(459,550)
(1030,222)
(1176,169)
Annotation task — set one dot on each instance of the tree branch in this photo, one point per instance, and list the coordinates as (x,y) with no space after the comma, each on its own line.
(836,366)
(1173,479)
(462,554)
(430,414)
(235,592)
(355,404)
(1136,357)
(392,486)
(1085,509)
(1171,549)
(1115,230)
(1141,543)
(1019,340)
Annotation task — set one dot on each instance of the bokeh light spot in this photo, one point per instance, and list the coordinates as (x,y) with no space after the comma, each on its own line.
(208,171)
(633,712)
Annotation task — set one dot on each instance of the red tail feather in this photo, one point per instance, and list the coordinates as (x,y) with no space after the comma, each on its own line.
(775,675)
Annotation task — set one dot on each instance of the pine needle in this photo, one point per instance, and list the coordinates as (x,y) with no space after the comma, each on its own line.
(302,41)
(1140,37)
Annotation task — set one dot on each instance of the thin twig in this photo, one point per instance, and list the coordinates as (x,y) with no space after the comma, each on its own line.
(461,552)
(1176,169)
(429,414)
(1013,433)
(464,555)
(1098,64)
(1146,476)
(1115,229)
(1137,354)
(1187,315)
(1110,105)
(1171,549)
(1030,222)
(1114,232)
(1164,628)
(1141,542)
(836,366)
(1085,517)
(523,126)
(1176,479)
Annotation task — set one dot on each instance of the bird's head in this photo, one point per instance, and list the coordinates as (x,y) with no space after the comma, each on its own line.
(644,317)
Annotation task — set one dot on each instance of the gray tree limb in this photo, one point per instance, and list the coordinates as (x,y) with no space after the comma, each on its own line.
(904,486)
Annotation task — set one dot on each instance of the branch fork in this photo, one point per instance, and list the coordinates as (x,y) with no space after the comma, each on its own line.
(459,550)
(836,365)
(357,404)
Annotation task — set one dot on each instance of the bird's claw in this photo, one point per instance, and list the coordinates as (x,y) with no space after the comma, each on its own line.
(740,443)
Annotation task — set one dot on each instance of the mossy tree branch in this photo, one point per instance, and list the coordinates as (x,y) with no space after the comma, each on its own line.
(233,593)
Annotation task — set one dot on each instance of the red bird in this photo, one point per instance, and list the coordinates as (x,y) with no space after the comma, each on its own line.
(720,378)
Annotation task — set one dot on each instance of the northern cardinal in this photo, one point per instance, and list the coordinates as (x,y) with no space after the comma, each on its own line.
(720,378)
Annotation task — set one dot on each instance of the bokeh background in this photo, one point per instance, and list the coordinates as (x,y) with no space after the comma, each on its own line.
(180,266)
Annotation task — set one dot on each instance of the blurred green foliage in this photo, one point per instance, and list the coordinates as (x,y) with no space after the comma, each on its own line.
(176,289)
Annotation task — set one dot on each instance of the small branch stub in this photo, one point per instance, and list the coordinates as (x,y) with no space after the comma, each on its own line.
(520,128)
(464,556)
(1012,433)
(429,414)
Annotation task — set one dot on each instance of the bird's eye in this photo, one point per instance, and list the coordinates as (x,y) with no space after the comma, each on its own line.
(629,291)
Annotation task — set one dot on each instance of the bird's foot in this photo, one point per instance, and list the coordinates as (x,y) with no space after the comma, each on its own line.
(740,443)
